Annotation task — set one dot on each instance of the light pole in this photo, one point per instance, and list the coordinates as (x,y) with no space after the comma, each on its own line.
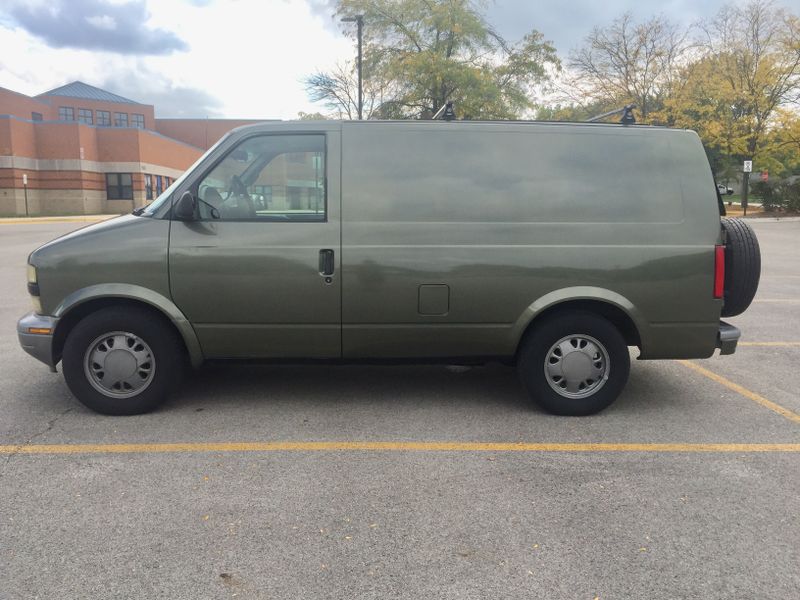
(358,20)
(25,187)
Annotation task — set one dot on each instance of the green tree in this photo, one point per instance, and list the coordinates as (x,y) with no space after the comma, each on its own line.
(421,53)
(703,102)
(756,50)
(784,140)
(735,93)
(575,111)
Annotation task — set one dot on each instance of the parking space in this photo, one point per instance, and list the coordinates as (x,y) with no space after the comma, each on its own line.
(376,482)
(766,361)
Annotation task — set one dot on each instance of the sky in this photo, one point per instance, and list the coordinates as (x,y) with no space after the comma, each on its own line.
(240,58)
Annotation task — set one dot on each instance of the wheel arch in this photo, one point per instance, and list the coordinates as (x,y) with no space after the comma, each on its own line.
(616,308)
(83,302)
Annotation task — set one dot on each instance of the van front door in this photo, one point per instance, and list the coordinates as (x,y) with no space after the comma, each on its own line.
(257,271)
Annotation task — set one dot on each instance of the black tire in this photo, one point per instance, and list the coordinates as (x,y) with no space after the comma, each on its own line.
(165,349)
(742,266)
(536,348)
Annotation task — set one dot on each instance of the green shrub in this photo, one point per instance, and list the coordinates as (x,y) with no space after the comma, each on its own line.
(790,194)
(770,197)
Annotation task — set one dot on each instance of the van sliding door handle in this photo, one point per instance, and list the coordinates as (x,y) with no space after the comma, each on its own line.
(326,262)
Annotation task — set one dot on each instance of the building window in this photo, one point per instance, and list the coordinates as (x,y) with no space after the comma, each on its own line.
(137,121)
(36,116)
(159,185)
(119,186)
(148,186)
(120,119)
(103,118)
(66,113)
(85,116)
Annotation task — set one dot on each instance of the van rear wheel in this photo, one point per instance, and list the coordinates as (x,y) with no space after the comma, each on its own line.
(122,361)
(574,364)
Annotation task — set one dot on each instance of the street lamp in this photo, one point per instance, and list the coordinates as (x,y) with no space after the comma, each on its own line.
(359,20)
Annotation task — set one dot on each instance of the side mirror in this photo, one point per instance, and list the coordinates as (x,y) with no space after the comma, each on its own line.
(184,208)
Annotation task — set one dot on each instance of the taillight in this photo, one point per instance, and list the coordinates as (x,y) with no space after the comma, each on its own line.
(719,271)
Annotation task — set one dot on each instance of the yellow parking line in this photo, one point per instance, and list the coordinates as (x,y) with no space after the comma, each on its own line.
(758,399)
(387,447)
(776,344)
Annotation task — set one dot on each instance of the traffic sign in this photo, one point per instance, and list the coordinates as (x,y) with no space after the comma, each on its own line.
(748,166)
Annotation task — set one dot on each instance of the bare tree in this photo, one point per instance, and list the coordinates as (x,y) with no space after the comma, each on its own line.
(337,90)
(628,62)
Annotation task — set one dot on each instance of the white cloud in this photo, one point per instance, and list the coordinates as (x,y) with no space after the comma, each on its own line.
(103,22)
(33,68)
(250,55)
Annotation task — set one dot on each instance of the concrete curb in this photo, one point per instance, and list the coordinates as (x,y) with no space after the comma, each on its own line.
(772,219)
(56,219)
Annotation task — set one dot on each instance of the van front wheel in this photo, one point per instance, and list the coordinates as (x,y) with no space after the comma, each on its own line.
(574,364)
(122,361)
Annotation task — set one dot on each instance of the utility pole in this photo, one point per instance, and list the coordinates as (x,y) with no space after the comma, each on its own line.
(359,21)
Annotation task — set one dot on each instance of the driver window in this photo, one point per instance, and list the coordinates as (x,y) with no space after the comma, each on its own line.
(267,178)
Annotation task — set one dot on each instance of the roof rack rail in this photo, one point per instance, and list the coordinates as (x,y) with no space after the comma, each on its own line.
(627,115)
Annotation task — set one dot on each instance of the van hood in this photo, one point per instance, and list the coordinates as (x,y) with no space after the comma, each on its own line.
(88,230)
(128,250)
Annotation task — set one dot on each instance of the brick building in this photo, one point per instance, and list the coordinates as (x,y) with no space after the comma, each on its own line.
(83,150)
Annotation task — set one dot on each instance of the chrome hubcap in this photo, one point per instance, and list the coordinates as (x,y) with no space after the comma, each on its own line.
(119,364)
(576,366)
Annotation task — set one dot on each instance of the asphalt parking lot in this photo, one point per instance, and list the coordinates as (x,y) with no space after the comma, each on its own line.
(410,482)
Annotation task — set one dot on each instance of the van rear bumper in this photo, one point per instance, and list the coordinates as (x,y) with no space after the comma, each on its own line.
(688,340)
(727,338)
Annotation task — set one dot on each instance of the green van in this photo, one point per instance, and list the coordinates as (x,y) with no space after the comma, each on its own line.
(554,247)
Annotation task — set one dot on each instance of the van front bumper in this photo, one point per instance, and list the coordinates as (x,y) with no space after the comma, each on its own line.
(34,338)
(727,338)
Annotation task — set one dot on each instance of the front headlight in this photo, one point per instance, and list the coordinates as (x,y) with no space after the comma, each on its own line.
(31,274)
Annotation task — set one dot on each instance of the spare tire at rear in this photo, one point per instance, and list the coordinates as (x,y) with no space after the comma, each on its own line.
(742,266)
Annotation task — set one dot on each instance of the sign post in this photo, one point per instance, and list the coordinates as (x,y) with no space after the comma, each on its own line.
(747,168)
(25,188)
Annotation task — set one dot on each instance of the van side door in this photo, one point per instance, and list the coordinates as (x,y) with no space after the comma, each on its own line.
(257,270)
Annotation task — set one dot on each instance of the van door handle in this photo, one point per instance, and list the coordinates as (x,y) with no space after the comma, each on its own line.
(326,262)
